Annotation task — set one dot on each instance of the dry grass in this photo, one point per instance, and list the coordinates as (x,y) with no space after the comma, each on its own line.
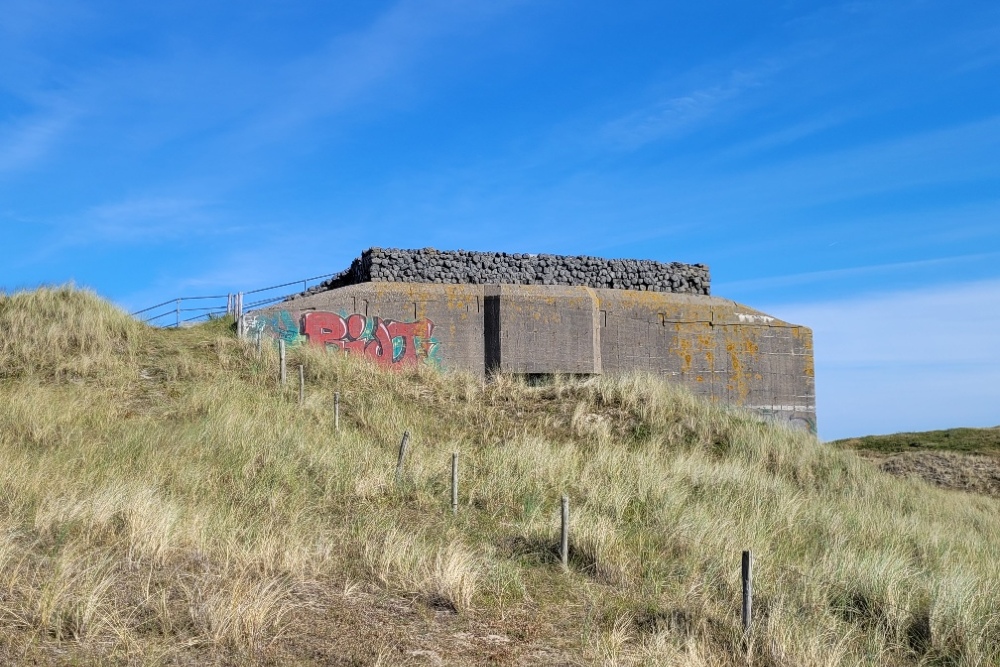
(164,501)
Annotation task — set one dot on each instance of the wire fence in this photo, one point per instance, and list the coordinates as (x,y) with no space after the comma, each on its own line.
(183,310)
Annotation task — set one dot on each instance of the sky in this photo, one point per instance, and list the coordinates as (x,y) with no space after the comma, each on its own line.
(836,165)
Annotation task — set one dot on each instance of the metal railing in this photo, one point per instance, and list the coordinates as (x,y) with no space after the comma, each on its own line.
(183,310)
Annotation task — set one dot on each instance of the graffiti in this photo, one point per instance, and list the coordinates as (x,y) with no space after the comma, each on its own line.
(278,325)
(389,342)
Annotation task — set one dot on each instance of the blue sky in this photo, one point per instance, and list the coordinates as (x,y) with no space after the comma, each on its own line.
(836,164)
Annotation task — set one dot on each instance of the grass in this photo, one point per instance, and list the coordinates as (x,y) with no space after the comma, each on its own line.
(163,500)
(985,441)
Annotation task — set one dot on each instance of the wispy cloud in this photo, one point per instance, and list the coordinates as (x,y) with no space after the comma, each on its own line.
(358,67)
(680,114)
(854,271)
(153,219)
(907,360)
(142,221)
(26,141)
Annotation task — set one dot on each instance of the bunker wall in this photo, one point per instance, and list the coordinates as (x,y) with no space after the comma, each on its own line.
(719,349)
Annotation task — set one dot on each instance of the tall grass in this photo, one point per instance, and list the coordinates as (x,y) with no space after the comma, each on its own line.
(161,496)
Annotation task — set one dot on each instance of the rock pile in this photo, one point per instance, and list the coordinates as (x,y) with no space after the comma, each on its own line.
(482,268)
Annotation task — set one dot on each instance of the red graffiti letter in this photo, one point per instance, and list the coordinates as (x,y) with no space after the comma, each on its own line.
(324,329)
(380,348)
(409,331)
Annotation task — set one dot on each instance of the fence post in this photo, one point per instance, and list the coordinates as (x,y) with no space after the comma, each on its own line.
(178,313)
(747,592)
(564,538)
(302,385)
(454,482)
(336,410)
(402,455)
(281,358)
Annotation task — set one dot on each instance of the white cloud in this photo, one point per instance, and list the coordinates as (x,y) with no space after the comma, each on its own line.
(828,275)
(357,67)
(679,114)
(150,219)
(905,361)
(24,143)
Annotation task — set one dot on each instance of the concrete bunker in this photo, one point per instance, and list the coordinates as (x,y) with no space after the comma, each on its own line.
(550,314)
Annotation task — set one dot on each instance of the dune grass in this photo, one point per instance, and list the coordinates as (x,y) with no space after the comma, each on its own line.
(163,500)
(985,441)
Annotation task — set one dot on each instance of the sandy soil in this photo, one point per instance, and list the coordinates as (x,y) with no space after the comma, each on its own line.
(975,473)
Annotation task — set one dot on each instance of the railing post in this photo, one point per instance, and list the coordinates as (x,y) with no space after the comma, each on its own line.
(178,312)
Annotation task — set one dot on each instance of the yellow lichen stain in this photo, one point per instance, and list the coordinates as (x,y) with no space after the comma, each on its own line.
(808,366)
(738,373)
(683,351)
(699,379)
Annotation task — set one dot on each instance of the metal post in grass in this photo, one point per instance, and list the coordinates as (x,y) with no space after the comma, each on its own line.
(403,444)
(281,360)
(564,539)
(260,336)
(336,410)
(302,385)
(454,482)
(747,592)
(178,313)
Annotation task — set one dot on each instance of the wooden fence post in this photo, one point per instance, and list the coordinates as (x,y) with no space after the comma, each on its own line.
(402,455)
(454,483)
(281,358)
(302,385)
(747,592)
(564,538)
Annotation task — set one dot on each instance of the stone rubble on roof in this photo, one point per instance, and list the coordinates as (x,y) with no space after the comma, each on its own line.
(428,265)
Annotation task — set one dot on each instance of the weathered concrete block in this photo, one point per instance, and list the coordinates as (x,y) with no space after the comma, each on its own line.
(542,330)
